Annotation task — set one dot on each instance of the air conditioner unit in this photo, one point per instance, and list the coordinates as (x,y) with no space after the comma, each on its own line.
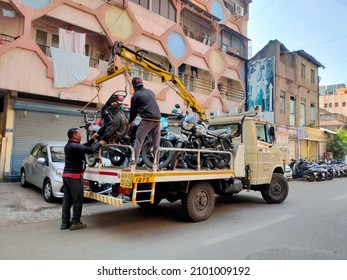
(238,10)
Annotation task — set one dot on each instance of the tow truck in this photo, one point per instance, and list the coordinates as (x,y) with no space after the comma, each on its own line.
(255,163)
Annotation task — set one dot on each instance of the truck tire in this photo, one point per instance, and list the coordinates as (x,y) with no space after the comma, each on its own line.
(199,202)
(277,190)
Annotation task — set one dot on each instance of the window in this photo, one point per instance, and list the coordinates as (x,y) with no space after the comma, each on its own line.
(43,153)
(160,7)
(292,111)
(263,133)
(343,104)
(197,27)
(44,40)
(235,128)
(282,102)
(303,71)
(234,42)
(302,113)
(35,150)
(313,113)
(336,104)
(142,3)
(57,153)
(325,105)
(41,39)
(313,76)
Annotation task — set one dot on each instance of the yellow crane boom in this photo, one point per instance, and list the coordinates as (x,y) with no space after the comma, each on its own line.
(136,57)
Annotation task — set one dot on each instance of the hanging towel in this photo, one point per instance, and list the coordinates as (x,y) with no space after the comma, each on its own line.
(80,43)
(69,68)
(72,41)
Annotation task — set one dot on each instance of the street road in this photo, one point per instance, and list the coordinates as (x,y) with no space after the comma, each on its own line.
(311,224)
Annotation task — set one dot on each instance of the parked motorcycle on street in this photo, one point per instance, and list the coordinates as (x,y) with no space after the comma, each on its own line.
(301,170)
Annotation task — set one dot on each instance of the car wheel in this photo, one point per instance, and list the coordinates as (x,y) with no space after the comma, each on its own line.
(23,179)
(47,191)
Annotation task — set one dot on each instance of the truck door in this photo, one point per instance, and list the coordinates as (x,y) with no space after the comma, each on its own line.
(265,156)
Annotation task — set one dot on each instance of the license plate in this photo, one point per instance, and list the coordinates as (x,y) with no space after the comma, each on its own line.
(128,178)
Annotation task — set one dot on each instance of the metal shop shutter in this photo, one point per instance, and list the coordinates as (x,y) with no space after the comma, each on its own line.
(31,127)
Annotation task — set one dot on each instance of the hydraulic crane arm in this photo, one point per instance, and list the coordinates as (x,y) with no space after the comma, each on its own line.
(138,59)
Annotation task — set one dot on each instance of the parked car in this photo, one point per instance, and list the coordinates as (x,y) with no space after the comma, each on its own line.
(288,173)
(43,168)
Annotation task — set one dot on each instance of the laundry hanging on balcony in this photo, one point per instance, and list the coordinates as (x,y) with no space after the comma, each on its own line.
(72,41)
(68,68)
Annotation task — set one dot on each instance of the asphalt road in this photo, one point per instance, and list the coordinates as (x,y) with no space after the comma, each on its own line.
(310,225)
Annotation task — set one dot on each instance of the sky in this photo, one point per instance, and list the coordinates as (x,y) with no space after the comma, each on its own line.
(319,27)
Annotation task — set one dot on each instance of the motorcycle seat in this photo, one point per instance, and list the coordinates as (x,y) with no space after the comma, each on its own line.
(218,132)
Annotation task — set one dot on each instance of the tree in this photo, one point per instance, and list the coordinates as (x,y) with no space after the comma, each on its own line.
(338,145)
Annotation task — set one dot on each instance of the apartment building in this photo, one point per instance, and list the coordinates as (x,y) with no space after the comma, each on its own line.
(286,85)
(333,108)
(52,51)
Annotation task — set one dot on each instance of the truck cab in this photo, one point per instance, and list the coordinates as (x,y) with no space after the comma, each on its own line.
(261,156)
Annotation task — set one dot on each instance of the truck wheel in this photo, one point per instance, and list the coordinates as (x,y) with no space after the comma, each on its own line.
(277,190)
(199,202)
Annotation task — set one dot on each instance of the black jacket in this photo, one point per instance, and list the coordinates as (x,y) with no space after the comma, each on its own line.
(75,155)
(144,103)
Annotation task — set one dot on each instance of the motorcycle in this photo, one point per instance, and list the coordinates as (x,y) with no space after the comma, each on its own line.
(195,135)
(110,126)
(121,156)
(301,170)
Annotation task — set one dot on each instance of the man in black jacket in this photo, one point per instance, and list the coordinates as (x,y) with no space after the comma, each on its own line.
(73,177)
(144,103)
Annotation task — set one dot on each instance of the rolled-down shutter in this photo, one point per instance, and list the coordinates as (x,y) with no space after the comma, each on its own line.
(31,127)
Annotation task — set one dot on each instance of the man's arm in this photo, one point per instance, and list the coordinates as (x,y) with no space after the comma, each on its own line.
(133,109)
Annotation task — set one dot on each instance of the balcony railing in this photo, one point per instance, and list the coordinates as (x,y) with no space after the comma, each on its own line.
(231,94)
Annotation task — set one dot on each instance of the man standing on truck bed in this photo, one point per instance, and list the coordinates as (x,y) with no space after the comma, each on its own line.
(145,103)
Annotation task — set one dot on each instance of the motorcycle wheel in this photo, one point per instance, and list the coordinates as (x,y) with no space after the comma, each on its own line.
(220,161)
(330,176)
(176,157)
(165,157)
(191,158)
(91,160)
(310,177)
(123,129)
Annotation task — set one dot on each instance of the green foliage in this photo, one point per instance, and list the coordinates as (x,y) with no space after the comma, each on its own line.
(338,145)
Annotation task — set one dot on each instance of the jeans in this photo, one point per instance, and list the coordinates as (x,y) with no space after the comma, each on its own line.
(73,197)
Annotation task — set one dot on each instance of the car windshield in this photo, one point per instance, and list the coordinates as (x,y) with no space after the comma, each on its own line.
(57,153)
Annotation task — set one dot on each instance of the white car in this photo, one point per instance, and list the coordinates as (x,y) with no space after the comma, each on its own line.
(43,168)
(288,173)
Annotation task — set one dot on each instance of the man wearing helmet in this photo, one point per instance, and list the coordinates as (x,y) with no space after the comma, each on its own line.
(144,103)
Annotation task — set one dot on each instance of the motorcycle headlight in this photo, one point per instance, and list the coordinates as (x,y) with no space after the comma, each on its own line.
(187,126)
